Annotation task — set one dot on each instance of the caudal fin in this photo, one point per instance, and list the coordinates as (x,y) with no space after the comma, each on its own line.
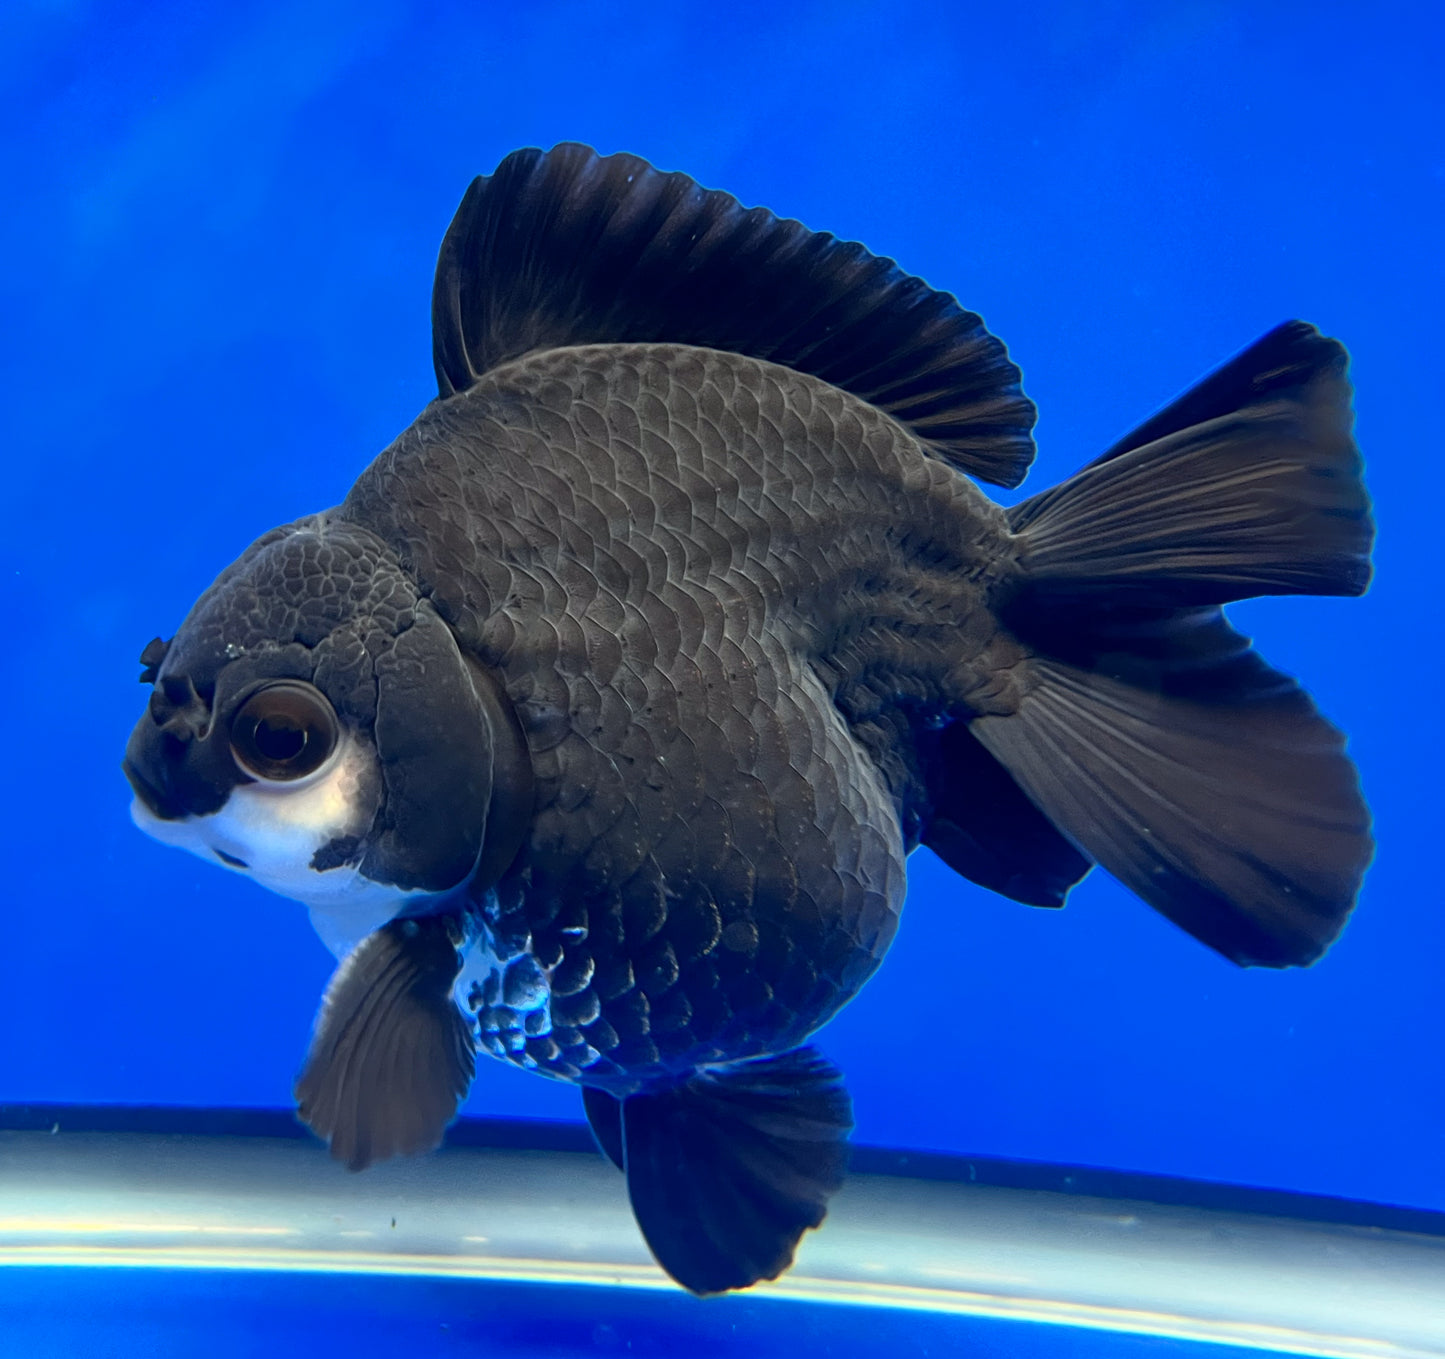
(728,1170)
(1249,484)
(1149,732)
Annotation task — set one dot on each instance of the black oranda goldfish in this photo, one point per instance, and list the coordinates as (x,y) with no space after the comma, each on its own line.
(595,727)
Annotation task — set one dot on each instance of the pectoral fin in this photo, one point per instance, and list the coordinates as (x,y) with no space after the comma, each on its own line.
(392,1055)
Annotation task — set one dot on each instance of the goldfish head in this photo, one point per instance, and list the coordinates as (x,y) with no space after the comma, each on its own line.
(315,725)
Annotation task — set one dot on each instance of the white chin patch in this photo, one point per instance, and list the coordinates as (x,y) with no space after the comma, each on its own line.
(272,832)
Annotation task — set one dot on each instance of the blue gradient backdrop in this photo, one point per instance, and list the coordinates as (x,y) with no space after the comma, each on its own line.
(215,258)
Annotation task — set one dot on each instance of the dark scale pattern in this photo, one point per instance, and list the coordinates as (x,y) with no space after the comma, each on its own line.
(722,596)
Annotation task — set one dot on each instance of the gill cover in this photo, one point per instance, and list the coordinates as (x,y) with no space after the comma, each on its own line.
(456,779)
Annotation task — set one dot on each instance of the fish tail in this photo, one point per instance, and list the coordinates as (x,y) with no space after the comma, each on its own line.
(1249,484)
(1150,732)
(729,1168)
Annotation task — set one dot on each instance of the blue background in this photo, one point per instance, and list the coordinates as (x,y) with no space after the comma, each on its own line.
(215,260)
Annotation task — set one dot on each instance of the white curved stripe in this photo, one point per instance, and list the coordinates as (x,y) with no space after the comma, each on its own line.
(1276,1285)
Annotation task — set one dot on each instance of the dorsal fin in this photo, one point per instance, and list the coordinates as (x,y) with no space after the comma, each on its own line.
(567,247)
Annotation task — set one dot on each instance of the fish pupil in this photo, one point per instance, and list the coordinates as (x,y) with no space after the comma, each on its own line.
(279,739)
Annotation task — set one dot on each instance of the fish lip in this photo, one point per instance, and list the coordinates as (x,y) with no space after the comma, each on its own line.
(155,800)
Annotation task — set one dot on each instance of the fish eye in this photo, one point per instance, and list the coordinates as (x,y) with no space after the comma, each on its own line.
(283,732)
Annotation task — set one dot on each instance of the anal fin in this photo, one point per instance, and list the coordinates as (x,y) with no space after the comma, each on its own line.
(604,1117)
(985,828)
(392,1056)
(727,1170)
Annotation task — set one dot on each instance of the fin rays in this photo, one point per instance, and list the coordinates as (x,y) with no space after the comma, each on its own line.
(392,1055)
(727,1170)
(566,247)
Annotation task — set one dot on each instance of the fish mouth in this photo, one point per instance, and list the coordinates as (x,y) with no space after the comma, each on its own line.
(155,801)
(230,860)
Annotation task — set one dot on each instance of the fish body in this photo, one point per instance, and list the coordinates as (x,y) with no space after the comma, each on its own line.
(597,724)
(701,636)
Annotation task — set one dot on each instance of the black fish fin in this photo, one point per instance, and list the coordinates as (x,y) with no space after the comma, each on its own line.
(1280,361)
(566,247)
(392,1055)
(604,1116)
(1149,732)
(728,1170)
(1202,779)
(1250,484)
(985,828)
